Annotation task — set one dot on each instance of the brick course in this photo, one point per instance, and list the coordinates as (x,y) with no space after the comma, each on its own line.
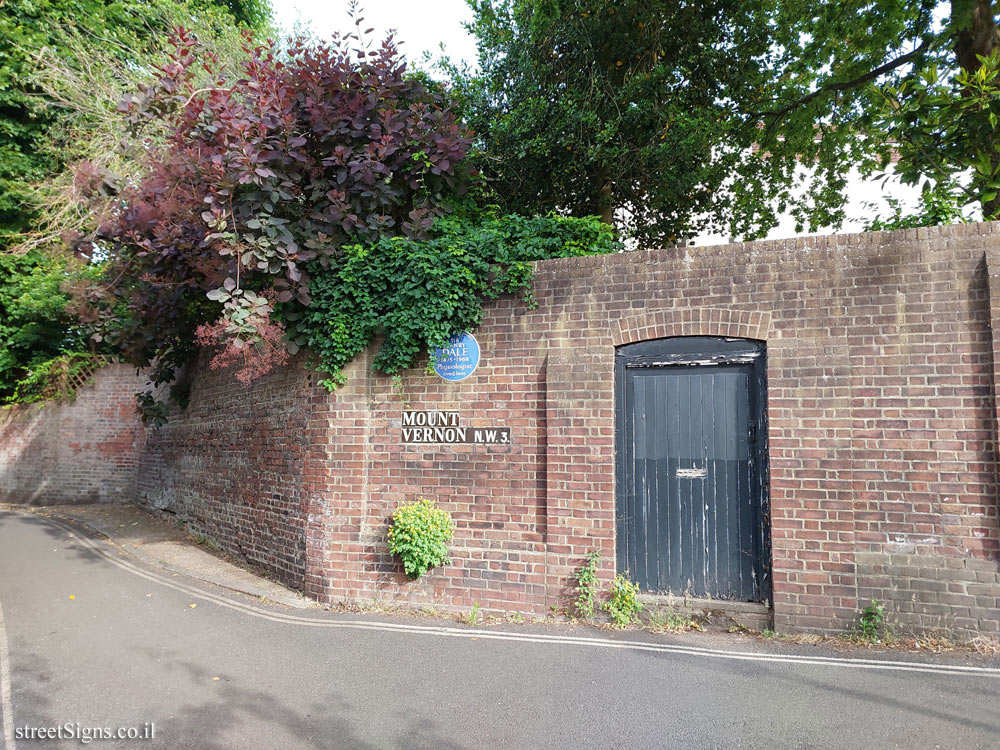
(882,411)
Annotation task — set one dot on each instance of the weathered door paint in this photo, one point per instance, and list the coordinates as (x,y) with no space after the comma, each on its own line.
(692,515)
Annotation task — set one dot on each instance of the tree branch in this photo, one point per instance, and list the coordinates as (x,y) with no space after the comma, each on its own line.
(871,75)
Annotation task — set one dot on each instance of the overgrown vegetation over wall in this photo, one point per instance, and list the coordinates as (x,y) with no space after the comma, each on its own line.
(65,153)
(255,197)
(304,482)
(125,31)
(318,197)
(418,292)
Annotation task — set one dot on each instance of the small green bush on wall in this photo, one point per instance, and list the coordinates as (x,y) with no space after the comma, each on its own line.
(419,536)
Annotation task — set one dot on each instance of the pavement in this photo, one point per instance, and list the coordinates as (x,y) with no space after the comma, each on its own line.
(95,635)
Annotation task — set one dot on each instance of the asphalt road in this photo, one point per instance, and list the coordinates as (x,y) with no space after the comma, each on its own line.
(94,638)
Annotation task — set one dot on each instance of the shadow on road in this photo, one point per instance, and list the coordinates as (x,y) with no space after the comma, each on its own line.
(55,533)
(232,715)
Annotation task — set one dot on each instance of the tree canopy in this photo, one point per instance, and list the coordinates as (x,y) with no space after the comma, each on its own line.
(860,84)
(260,197)
(606,107)
(126,29)
(35,325)
(253,14)
(679,117)
(64,152)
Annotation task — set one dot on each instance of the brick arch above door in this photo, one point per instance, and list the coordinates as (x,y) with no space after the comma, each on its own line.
(691,321)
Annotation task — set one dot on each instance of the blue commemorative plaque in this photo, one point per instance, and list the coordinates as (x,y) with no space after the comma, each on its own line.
(457,359)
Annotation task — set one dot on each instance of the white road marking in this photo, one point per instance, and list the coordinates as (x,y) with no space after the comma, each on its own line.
(6,704)
(483,635)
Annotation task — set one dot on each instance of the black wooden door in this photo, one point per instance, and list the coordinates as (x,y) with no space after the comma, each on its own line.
(691,464)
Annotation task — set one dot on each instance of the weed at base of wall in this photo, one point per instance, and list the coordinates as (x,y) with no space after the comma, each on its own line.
(586,586)
(871,625)
(623,603)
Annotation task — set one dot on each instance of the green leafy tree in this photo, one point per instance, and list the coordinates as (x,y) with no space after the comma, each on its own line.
(86,86)
(127,29)
(671,118)
(35,325)
(862,83)
(254,14)
(938,206)
(622,110)
(64,151)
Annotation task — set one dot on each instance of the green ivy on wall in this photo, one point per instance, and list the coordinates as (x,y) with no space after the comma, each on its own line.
(416,293)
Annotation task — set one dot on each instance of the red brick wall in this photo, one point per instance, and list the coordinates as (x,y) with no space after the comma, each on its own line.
(882,429)
(882,409)
(231,467)
(78,451)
